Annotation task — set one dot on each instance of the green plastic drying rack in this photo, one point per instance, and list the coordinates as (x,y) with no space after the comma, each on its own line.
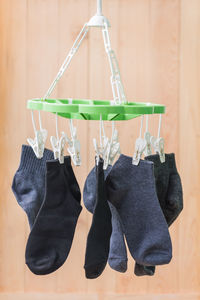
(95,109)
(118,109)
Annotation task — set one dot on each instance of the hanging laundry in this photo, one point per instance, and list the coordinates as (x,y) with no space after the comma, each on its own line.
(117,254)
(131,189)
(98,240)
(51,237)
(170,196)
(29,181)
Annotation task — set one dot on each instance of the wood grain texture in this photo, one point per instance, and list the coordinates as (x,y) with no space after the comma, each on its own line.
(158,47)
(47,296)
(189,145)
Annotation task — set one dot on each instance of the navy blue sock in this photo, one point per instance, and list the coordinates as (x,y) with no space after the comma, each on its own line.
(51,237)
(29,181)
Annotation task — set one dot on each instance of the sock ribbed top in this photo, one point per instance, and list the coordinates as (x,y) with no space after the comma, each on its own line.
(30,163)
(169,160)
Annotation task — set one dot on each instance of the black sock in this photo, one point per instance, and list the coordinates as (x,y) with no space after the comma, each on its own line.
(98,240)
(29,181)
(52,234)
(117,258)
(170,196)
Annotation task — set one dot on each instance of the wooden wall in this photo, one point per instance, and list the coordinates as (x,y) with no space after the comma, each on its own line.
(158,47)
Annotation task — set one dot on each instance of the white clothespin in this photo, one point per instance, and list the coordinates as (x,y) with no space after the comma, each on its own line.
(100,151)
(106,154)
(74,146)
(140,146)
(147,137)
(109,148)
(38,143)
(158,143)
(58,144)
(104,149)
(115,145)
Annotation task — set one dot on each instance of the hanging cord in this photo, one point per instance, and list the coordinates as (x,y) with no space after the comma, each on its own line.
(100,131)
(33,121)
(147,123)
(113,132)
(57,135)
(141,126)
(147,137)
(159,125)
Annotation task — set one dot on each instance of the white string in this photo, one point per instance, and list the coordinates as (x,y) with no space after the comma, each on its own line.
(147,122)
(57,127)
(159,126)
(103,129)
(141,125)
(113,130)
(33,121)
(100,130)
(71,127)
(40,120)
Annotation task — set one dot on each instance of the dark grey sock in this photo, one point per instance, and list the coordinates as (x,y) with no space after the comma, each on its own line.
(117,254)
(29,181)
(170,195)
(98,240)
(131,189)
(168,186)
(51,237)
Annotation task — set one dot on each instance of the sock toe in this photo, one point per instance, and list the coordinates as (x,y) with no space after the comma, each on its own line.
(44,264)
(118,265)
(94,271)
(141,270)
(157,258)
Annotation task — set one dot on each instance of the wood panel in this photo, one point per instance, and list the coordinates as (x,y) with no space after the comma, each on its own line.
(189,145)
(47,296)
(157,45)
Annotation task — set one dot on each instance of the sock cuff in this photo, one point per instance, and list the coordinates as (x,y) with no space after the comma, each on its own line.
(155,158)
(54,163)
(30,163)
(127,160)
(67,160)
(170,158)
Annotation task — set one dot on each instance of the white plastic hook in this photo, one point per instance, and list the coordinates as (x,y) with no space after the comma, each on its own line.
(58,144)
(38,143)
(74,146)
(158,143)
(140,146)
